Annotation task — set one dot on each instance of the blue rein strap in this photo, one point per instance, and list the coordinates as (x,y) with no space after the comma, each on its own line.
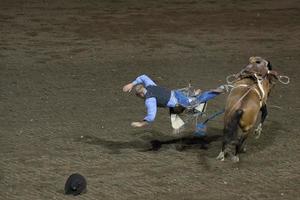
(214,116)
(201,127)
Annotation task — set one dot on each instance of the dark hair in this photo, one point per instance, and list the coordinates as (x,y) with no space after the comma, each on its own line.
(138,89)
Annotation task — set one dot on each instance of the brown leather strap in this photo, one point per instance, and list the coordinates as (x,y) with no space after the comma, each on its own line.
(273,73)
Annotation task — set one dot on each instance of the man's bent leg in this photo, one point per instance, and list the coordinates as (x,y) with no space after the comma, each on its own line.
(205,96)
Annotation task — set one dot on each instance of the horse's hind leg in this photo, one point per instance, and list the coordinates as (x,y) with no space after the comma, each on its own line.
(264,114)
(228,150)
(221,155)
(231,151)
(230,133)
(241,146)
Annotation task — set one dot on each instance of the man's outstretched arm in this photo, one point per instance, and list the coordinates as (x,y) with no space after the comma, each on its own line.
(151,106)
(143,79)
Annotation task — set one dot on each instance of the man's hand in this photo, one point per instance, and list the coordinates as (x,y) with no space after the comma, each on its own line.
(221,89)
(197,92)
(139,124)
(128,87)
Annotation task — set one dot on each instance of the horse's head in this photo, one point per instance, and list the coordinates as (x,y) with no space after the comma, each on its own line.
(258,61)
(258,65)
(264,69)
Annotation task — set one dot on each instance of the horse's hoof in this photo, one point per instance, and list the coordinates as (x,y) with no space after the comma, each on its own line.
(244,150)
(235,159)
(257,134)
(221,156)
(258,131)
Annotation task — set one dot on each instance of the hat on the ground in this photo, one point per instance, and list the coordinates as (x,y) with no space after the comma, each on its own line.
(76,184)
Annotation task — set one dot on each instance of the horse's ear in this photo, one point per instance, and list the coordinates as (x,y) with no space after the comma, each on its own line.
(269,65)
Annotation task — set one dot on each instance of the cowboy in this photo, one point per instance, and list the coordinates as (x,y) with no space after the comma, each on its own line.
(157,96)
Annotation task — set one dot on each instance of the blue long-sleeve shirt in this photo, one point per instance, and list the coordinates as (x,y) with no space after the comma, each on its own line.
(151,103)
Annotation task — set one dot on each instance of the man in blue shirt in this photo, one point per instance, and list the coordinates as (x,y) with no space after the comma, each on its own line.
(156,96)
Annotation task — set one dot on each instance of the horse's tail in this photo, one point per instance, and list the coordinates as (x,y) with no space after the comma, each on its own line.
(231,128)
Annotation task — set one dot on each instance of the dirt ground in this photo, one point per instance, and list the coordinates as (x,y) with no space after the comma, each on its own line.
(62,109)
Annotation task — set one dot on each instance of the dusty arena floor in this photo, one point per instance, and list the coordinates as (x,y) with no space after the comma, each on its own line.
(62,109)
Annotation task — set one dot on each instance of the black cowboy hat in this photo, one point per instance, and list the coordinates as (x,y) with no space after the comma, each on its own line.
(75,184)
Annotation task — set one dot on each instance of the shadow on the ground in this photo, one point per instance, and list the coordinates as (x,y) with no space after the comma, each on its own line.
(152,142)
(113,146)
(184,143)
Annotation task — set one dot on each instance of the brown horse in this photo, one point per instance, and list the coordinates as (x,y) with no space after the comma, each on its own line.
(246,100)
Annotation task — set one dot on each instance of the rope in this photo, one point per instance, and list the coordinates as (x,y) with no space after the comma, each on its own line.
(250,88)
(214,116)
(230,77)
(282,78)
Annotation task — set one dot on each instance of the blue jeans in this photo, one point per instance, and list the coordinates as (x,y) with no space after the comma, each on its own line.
(186,101)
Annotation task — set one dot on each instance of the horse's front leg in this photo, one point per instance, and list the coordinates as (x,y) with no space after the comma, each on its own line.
(232,151)
(264,113)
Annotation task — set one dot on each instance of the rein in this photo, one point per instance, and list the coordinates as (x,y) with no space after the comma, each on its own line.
(245,94)
(250,87)
(260,91)
(281,78)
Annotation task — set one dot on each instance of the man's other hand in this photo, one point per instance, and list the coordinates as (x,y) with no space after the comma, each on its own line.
(139,124)
(128,87)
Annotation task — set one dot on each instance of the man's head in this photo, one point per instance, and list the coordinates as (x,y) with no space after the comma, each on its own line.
(140,91)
